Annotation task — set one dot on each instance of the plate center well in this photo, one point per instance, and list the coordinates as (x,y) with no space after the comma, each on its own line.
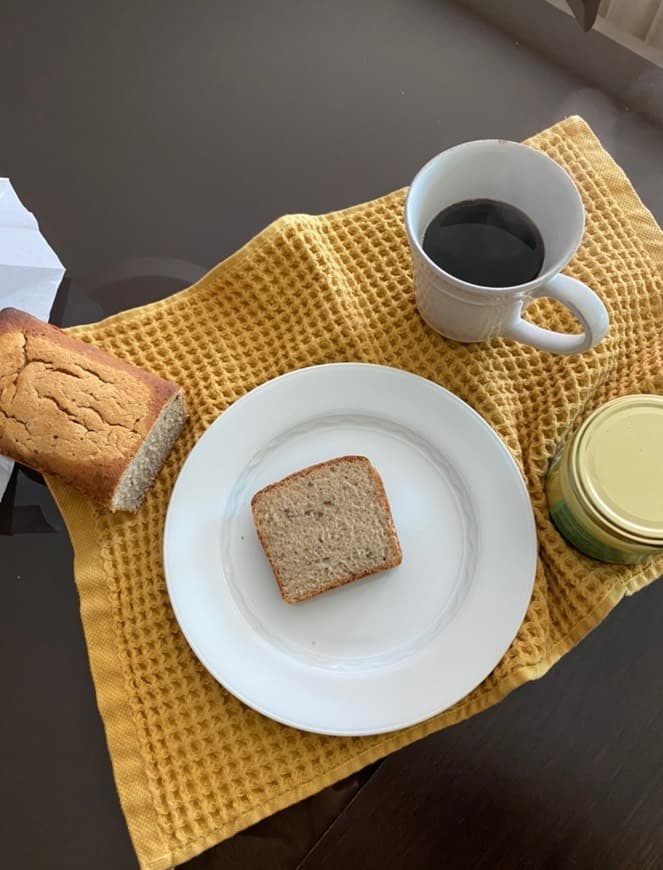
(381,619)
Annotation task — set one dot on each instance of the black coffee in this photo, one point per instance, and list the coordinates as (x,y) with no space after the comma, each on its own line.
(487,242)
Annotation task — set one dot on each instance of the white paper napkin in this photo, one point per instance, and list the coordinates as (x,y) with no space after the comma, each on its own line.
(30,271)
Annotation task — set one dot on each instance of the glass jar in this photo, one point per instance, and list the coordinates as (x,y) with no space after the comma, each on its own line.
(605,488)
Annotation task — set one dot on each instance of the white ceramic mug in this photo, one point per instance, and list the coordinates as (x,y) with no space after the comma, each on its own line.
(534,183)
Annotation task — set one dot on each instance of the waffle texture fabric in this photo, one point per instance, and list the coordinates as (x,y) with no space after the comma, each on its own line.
(192,764)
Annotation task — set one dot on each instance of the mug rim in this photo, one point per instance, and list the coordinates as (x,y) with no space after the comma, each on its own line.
(540,279)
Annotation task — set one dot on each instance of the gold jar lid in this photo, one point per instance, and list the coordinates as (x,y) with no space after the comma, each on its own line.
(617,462)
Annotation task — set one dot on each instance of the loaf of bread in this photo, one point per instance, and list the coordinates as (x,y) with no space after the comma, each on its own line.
(72,410)
(325,526)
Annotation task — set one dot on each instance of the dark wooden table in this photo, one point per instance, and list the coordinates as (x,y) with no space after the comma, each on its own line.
(151,139)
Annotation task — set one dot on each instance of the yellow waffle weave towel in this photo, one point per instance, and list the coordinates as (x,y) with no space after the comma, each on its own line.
(192,764)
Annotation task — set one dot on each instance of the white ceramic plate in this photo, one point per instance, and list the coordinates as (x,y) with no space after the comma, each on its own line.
(387,651)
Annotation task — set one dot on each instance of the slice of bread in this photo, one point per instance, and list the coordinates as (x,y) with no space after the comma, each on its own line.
(325,526)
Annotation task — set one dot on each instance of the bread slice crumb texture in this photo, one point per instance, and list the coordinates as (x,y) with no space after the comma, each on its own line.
(326,525)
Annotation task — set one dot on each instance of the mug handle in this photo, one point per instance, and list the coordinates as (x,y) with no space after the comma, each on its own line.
(583,304)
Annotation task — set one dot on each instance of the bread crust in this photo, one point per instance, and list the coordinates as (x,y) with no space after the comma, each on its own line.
(304,472)
(62,400)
